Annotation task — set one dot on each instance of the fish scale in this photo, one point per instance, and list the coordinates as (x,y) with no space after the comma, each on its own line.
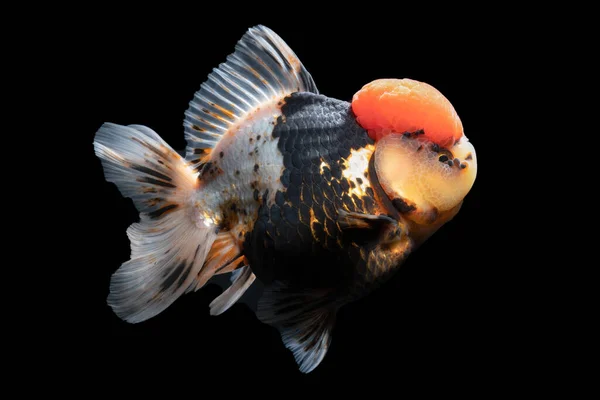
(313,128)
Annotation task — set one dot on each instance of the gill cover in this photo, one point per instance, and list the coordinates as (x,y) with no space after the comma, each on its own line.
(424,178)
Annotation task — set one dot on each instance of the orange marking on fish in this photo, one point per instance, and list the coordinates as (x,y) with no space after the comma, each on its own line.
(387,106)
(208,123)
(154,201)
(257,75)
(313,220)
(327,212)
(215,115)
(225,111)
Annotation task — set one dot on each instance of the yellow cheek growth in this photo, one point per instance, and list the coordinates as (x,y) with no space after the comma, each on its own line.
(412,170)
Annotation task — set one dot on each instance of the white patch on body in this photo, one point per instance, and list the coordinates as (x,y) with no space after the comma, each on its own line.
(248,144)
(355,167)
(322,166)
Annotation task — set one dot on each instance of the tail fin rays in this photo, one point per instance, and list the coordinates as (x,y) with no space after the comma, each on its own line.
(168,247)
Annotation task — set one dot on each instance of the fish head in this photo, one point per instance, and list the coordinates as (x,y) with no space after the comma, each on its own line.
(423,161)
(422,179)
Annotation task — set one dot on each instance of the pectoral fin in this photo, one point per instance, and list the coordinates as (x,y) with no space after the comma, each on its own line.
(387,229)
(355,220)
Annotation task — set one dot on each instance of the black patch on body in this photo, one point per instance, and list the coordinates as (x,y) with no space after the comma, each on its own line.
(297,239)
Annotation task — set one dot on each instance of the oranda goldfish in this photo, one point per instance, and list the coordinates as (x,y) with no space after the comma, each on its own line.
(319,199)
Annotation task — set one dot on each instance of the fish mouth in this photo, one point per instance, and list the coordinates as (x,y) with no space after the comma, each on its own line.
(422,180)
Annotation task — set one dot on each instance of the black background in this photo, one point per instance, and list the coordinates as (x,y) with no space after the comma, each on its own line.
(447,315)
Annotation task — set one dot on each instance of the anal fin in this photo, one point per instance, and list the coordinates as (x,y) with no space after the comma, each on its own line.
(224,256)
(304,318)
(241,280)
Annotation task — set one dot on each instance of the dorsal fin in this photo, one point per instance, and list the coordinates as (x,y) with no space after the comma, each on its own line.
(262,68)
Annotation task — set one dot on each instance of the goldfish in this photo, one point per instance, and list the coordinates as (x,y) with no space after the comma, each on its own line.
(317,199)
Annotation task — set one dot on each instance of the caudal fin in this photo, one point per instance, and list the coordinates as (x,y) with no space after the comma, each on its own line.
(171,242)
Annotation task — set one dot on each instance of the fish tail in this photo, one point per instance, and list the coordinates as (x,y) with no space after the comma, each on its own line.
(168,246)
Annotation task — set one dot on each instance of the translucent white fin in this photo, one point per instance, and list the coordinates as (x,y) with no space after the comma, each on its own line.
(224,256)
(168,248)
(304,319)
(235,274)
(241,280)
(262,68)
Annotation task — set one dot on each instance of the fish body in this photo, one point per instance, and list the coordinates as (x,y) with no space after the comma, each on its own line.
(281,181)
(287,186)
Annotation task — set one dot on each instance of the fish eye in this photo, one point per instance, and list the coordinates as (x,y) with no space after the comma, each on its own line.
(445,156)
